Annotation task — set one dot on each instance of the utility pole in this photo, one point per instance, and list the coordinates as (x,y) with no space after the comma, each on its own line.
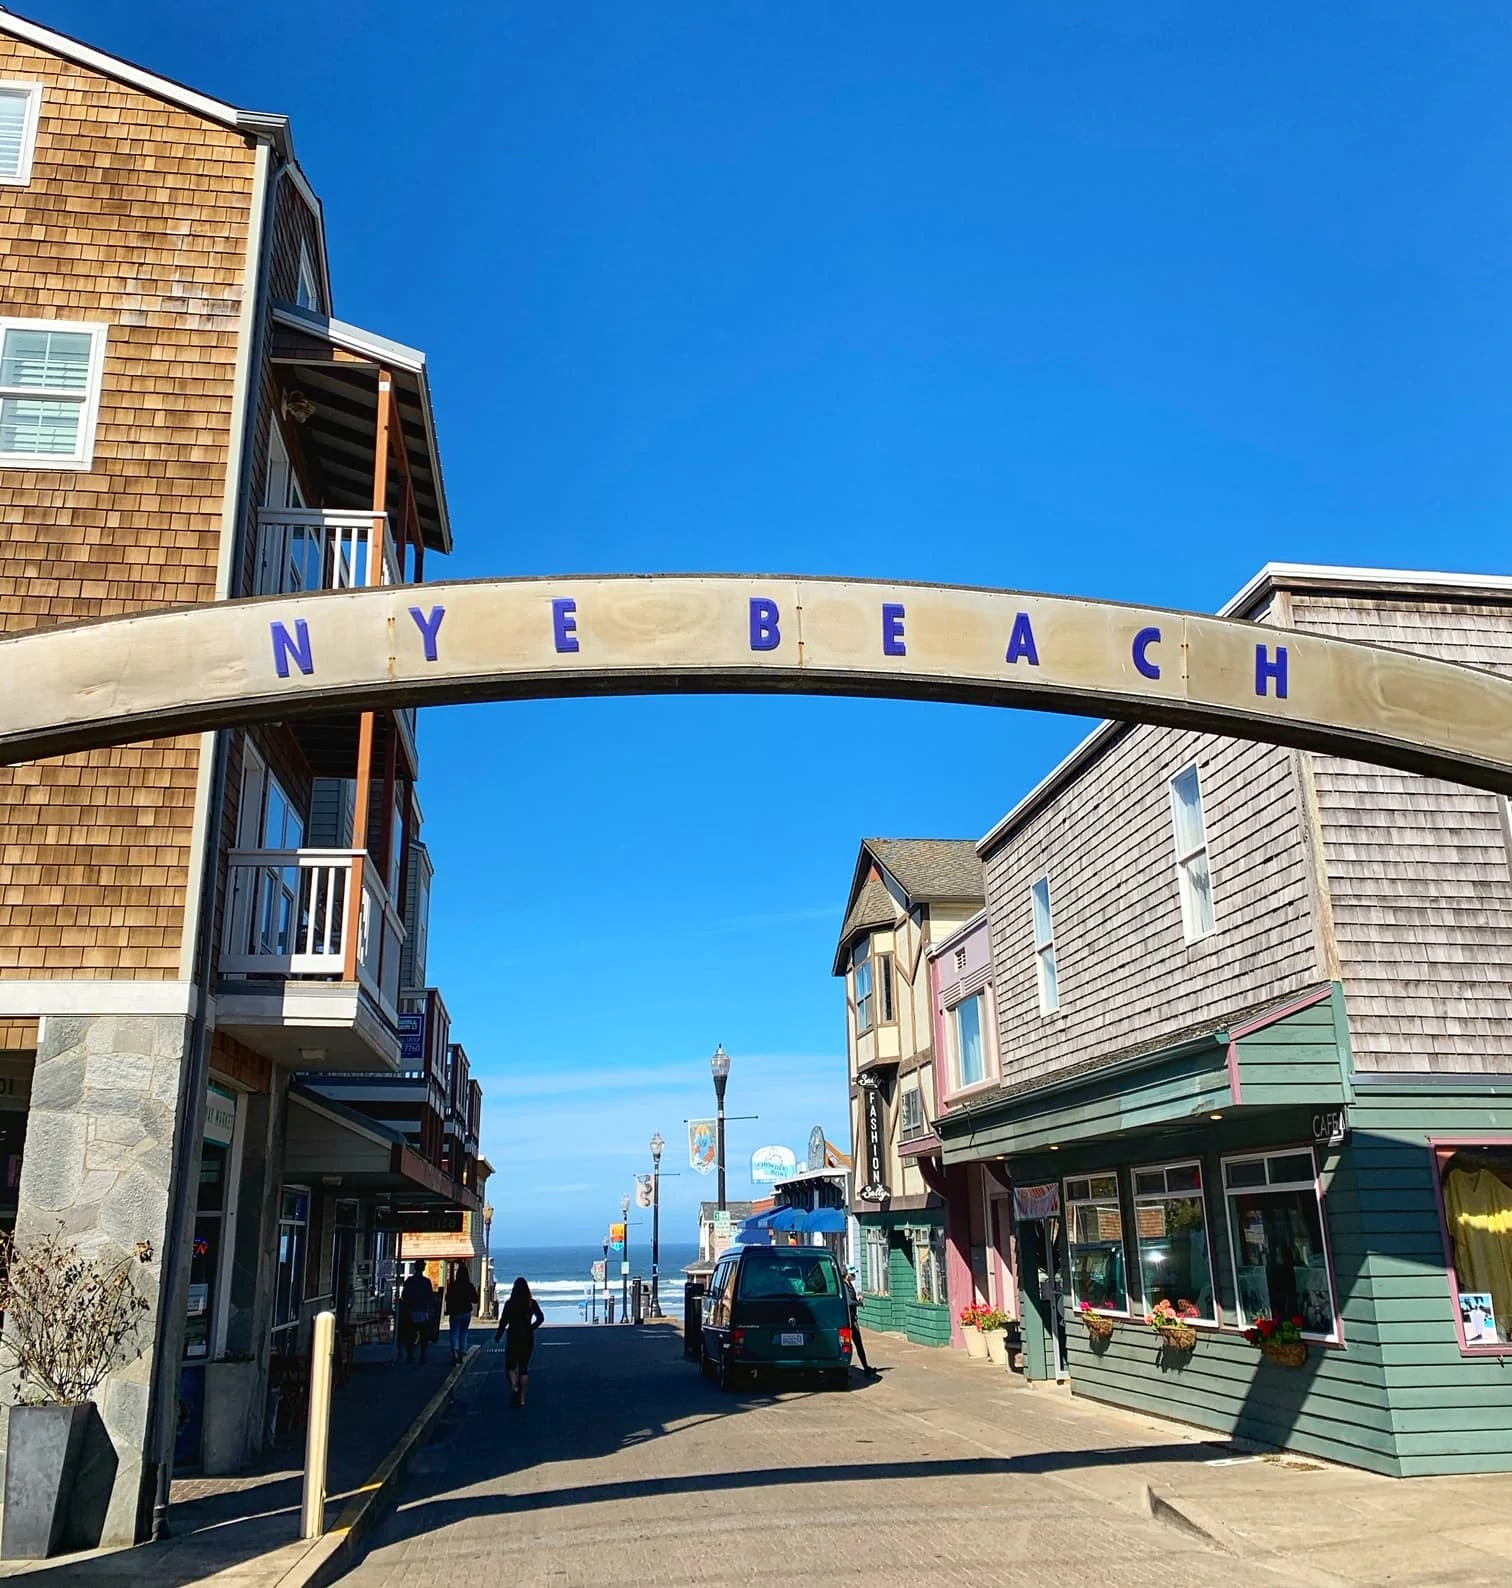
(625,1261)
(657,1144)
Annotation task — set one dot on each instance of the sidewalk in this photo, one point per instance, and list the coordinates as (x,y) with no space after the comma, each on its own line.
(243,1532)
(1281,1516)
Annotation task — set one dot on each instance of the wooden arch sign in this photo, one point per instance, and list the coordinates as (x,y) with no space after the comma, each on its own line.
(145,676)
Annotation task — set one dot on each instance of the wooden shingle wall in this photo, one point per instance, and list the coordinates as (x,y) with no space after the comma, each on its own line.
(1128,979)
(135,217)
(1419,869)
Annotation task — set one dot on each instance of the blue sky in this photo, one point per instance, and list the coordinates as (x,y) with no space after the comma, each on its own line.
(1107,300)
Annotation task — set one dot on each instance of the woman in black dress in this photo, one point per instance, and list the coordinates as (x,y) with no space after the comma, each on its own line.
(518,1322)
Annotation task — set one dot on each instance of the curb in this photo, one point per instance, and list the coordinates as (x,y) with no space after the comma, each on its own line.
(335,1552)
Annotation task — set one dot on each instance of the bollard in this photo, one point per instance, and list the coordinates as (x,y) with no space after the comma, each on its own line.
(318,1434)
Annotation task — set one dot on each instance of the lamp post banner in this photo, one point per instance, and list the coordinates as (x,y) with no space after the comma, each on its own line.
(120,680)
(703,1152)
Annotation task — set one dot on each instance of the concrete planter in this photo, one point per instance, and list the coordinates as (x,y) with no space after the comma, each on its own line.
(975,1345)
(996,1341)
(229,1426)
(42,1452)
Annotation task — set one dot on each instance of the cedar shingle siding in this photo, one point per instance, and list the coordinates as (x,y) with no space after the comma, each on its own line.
(135,217)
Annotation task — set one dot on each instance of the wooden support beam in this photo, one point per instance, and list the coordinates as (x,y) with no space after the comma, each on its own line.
(350,926)
(380,478)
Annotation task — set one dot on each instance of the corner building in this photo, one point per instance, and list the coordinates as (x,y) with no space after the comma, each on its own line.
(1253,1054)
(201,937)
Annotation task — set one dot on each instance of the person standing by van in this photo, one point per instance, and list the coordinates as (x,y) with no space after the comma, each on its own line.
(461,1303)
(853,1301)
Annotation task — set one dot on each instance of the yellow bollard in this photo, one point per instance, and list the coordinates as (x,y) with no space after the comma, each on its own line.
(318,1434)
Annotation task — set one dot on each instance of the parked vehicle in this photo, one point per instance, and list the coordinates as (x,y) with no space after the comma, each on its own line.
(776,1309)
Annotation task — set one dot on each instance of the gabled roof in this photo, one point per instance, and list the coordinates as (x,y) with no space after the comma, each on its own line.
(924,871)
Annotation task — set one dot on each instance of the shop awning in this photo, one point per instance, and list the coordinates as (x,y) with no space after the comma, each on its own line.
(824,1221)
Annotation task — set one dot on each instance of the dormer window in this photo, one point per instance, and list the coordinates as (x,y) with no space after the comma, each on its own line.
(307,290)
(19,106)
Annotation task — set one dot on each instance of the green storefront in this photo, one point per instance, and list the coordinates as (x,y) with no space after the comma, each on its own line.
(1250,1170)
(903,1275)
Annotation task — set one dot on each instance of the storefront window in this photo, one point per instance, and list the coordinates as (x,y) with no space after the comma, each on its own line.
(1476,1184)
(1095,1243)
(929,1265)
(292,1233)
(1276,1223)
(1170,1232)
(875,1279)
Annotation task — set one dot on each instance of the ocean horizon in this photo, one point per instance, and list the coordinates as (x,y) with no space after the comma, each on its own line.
(560,1275)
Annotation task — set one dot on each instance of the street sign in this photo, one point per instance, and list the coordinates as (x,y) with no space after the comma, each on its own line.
(624,1270)
(723,1231)
(600,1271)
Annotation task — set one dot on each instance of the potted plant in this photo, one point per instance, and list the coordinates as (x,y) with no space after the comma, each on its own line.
(69,1320)
(1099,1324)
(1169,1321)
(993,1326)
(971,1331)
(1279,1339)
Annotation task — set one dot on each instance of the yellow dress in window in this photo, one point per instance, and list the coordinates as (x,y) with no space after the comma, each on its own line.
(1479,1206)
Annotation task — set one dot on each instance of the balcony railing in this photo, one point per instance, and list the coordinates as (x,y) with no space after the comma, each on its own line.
(312,548)
(289,912)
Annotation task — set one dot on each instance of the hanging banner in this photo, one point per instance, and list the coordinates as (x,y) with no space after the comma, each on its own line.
(703,1146)
(874,1187)
(771,1164)
(816,1147)
(1037,1201)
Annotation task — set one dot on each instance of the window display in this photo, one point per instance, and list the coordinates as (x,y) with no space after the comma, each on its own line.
(1276,1224)
(1095,1243)
(1170,1233)
(1475,1183)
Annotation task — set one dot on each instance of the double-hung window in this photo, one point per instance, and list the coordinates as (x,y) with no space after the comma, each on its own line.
(1170,1232)
(1044,947)
(929,1265)
(968,1054)
(1095,1243)
(876,1280)
(1276,1228)
(873,988)
(20,104)
(1194,875)
(912,1124)
(49,392)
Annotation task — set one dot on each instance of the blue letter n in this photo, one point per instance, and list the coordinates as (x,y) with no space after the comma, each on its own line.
(1266,669)
(298,647)
(765,635)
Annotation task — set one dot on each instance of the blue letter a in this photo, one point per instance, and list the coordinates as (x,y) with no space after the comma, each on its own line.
(1021,642)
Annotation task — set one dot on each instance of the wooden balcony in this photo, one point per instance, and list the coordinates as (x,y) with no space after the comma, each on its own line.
(316,548)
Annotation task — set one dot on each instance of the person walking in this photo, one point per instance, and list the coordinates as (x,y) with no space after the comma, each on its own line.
(853,1301)
(461,1303)
(518,1321)
(417,1311)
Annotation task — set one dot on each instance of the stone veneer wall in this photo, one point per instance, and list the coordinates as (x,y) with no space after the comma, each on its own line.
(98,1165)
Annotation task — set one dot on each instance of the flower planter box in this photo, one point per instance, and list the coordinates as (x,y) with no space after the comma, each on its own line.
(1098,1328)
(1286,1353)
(997,1346)
(1178,1337)
(42,1450)
(976,1346)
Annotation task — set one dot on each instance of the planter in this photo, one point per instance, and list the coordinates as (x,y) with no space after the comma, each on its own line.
(997,1346)
(1178,1337)
(42,1449)
(1098,1328)
(975,1345)
(1286,1353)
(229,1424)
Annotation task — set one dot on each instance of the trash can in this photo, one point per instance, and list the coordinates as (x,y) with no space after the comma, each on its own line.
(693,1300)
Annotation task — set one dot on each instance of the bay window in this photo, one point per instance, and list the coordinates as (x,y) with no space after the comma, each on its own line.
(1095,1243)
(865,997)
(1171,1237)
(1275,1217)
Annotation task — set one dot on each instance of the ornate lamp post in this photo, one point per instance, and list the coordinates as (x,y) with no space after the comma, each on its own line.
(719,1067)
(657,1144)
(625,1261)
(487,1276)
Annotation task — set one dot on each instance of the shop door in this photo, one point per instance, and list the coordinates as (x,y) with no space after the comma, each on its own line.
(1004,1290)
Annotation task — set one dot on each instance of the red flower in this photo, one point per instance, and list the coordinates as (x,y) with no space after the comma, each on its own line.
(1297,1321)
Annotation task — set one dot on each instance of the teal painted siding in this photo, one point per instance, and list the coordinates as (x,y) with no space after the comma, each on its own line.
(1296,1061)
(900,1313)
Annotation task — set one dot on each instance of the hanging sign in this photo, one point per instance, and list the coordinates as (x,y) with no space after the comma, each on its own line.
(1330,1127)
(703,1146)
(874,1187)
(771,1164)
(1037,1201)
(816,1147)
(411,1038)
(616,1237)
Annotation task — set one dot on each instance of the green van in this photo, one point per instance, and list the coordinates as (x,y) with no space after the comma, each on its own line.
(776,1308)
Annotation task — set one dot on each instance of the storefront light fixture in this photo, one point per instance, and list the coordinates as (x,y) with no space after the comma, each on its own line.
(1215,1116)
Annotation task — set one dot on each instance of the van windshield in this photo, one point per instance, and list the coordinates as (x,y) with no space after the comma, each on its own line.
(798,1274)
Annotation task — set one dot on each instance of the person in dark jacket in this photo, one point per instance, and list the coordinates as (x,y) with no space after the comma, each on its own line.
(417,1312)
(518,1322)
(853,1301)
(461,1303)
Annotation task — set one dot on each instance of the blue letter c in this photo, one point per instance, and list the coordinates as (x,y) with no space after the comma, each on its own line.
(1142,642)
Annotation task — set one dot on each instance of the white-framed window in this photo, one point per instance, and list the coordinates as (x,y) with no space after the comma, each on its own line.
(1275,1213)
(876,1278)
(1095,1243)
(911,1121)
(50,372)
(1194,875)
(873,988)
(20,108)
(967,1024)
(1171,1236)
(929,1265)
(1044,947)
(307,289)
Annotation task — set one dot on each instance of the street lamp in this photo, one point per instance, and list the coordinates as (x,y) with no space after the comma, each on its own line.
(719,1067)
(657,1144)
(625,1261)
(489,1296)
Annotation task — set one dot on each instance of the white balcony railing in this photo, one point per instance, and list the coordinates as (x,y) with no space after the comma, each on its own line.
(311,548)
(288,913)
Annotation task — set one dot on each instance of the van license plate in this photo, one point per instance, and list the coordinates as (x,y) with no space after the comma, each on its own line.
(789,1339)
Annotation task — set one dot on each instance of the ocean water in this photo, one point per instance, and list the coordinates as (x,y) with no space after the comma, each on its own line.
(560,1277)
